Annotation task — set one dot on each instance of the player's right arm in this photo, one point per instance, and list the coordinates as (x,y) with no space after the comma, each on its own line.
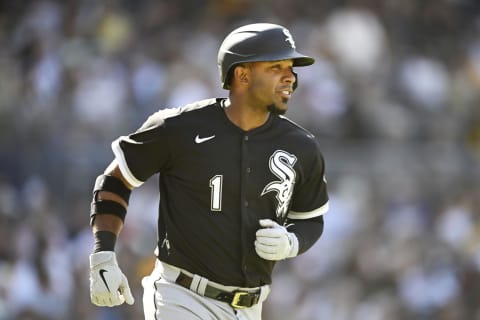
(108,285)
(110,222)
(137,157)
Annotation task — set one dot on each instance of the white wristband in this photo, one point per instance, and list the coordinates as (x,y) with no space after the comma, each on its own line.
(293,245)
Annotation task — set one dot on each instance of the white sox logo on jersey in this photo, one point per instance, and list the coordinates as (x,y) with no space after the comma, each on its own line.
(281,165)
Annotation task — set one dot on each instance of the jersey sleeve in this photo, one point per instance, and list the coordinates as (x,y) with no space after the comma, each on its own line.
(310,196)
(144,152)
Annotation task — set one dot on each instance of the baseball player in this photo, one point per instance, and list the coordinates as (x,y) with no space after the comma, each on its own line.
(241,187)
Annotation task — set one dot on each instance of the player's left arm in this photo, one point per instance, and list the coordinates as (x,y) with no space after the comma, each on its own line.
(310,201)
(304,224)
(307,231)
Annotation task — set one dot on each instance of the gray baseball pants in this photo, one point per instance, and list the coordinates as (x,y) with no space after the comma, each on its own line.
(163,299)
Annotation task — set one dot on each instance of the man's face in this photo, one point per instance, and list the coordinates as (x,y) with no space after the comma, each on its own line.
(271,84)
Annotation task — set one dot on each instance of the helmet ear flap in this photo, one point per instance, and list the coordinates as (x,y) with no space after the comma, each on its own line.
(295,84)
(228,79)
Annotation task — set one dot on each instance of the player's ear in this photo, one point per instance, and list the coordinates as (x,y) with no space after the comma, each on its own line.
(241,73)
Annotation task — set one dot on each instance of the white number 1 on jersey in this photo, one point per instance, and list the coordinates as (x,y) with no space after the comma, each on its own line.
(216,193)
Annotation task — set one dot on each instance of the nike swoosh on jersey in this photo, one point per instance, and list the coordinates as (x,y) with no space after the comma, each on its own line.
(202,140)
(102,271)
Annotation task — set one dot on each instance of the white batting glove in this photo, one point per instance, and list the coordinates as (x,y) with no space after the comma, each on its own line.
(108,285)
(274,242)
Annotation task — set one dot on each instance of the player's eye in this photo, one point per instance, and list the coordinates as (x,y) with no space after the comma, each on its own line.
(276,67)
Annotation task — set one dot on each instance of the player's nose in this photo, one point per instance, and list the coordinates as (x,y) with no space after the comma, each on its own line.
(289,76)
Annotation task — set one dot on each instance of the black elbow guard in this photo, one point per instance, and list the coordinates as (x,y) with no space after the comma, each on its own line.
(114,185)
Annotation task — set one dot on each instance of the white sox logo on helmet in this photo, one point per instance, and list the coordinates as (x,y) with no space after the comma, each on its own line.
(289,38)
(281,165)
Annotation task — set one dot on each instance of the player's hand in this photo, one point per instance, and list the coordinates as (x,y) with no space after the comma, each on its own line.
(108,285)
(274,242)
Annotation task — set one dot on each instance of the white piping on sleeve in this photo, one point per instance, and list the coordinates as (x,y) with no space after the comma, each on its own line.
(122,163)
(310,214)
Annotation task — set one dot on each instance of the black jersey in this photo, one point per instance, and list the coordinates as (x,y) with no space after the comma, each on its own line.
(216,181)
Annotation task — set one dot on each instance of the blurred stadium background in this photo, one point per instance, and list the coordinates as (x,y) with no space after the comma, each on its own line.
(393,98)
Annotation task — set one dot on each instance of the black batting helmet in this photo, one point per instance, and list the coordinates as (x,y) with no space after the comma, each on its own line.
(257,42)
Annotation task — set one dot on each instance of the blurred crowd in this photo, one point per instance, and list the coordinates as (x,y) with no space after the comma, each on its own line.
(393,98)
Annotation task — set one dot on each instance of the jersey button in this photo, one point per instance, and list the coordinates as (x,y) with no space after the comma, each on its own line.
(246,138)
(249,170)
(246,203)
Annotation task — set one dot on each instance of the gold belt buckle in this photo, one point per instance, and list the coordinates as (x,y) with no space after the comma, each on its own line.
(236,299)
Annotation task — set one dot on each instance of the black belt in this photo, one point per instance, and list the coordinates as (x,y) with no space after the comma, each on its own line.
(237,299)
